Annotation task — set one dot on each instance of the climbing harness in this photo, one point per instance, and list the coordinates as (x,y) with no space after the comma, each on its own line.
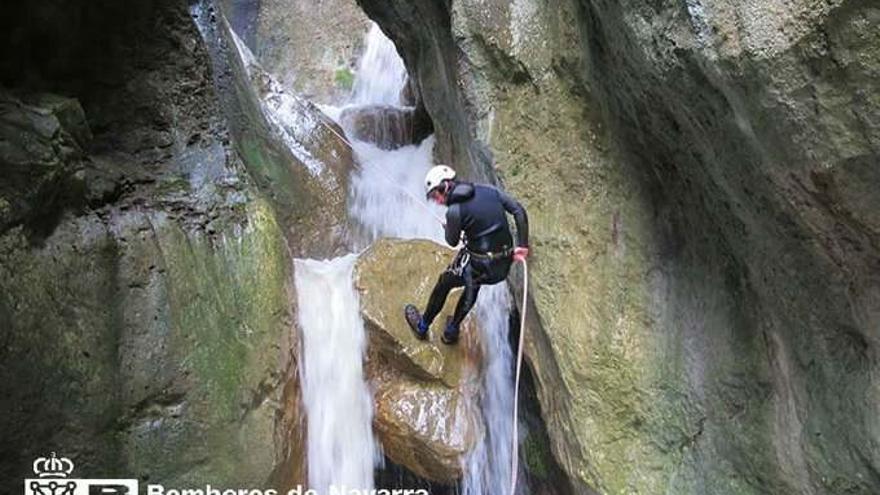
(462,258)
(519,354)
(490,256)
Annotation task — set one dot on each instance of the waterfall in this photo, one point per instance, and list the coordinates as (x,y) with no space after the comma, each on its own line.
(488,467)
(384,190)
(386,198)
(381,201)
(389,182)
(341,447)
(342,450)
(375,111)
(381,75)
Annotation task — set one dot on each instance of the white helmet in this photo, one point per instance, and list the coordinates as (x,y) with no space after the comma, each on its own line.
(436,176)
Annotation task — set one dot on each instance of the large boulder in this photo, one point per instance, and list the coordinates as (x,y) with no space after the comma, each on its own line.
(425,392)
(427,427)
(386,126)
(297,156)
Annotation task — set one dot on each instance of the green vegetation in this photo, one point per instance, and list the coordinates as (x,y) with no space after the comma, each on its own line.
(344,78)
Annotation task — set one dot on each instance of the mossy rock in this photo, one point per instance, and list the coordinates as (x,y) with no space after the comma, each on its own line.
(391,274)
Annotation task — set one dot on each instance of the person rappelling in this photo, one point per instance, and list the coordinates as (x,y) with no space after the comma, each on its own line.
(475,214)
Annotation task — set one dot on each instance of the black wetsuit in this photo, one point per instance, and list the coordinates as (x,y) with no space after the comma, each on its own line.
(478,211)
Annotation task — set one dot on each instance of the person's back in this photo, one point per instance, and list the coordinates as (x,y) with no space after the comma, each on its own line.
(478,211)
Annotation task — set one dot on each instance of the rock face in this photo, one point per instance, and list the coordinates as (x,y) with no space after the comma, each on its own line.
(388,127)
(41,152)
(148,213)
(426,414)
(705,275)
(311,46)
(295,154)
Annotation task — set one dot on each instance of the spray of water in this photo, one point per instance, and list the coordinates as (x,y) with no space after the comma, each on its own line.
(384,189)
(380,77)
(341,447)
(381,74)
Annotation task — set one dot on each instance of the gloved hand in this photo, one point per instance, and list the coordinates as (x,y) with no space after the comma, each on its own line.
(520,253)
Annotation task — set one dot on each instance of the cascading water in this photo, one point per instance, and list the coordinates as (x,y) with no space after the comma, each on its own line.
(382,195)
(381,74)
(384,189)
(488,466)
(388,183)
(342,451)
(341,448)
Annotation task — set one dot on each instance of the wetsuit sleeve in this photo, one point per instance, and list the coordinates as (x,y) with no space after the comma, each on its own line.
(520,217)
(453,225)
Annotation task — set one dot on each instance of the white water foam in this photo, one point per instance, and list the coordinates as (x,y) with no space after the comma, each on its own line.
(341,446)
(387,186)
(380,77)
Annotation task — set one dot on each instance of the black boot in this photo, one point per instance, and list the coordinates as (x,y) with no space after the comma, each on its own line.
(414,319)
(450,334)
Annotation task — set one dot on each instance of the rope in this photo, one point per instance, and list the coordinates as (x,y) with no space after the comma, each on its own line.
(522,324)
(519,354)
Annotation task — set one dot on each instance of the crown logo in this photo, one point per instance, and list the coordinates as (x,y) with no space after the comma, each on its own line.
(53,467)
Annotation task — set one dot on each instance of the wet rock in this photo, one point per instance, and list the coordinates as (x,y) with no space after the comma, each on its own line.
(387,127)
(426,427)
(275,129)
(40,151)
(146,330)
(391,274)
(425,392)
(311,46)
(694,175)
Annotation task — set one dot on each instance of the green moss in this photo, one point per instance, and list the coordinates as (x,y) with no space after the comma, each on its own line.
(226,300)
(537,456)
(344,78)
(173,184)
(273,174)
(5,210)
